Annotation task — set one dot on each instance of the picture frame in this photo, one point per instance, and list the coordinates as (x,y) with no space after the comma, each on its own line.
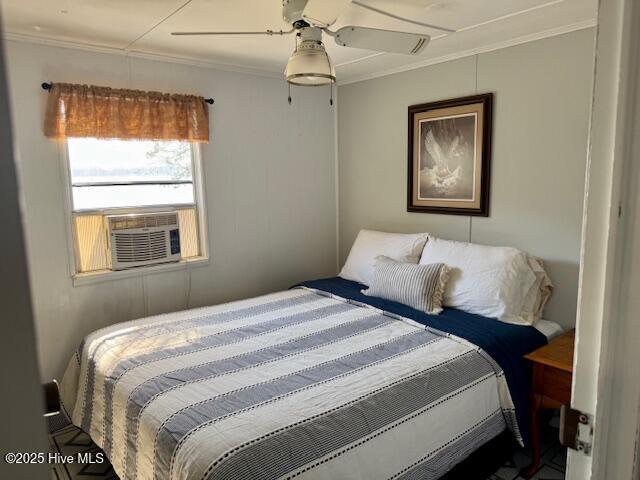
(449,156)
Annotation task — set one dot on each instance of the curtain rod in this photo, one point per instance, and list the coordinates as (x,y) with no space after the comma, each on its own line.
(48,85)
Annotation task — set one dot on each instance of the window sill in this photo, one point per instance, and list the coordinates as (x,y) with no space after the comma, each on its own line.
(100,276)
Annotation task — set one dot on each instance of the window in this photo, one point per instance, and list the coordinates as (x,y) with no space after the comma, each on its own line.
(121,177)
(120,174)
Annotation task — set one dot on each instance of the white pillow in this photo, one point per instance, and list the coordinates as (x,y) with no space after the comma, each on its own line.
(370,244)
(539,294)
(495,282)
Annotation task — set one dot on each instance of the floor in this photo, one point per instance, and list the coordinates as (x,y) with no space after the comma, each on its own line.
(553,462)
(72,441)
(69,440)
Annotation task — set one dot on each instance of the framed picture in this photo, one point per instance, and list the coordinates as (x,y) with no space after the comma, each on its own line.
(450,156)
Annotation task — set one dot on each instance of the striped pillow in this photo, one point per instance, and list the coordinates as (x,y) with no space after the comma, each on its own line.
(418,286)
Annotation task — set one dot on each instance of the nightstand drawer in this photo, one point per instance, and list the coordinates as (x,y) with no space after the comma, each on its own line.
(556,384)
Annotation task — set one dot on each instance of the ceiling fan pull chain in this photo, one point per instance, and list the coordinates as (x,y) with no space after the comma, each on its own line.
(295,49)
(331,99)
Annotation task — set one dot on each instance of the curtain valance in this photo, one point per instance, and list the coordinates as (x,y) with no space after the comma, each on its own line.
(102,112)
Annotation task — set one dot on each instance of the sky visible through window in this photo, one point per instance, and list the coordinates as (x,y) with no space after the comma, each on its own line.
(95,162)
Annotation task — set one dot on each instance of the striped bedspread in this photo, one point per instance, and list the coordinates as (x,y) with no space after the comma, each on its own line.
(295,384)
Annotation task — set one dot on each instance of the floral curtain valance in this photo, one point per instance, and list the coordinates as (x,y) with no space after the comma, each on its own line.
(102,112)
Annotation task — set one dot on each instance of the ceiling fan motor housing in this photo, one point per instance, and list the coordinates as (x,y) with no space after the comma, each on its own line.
(310,34)
(292,10)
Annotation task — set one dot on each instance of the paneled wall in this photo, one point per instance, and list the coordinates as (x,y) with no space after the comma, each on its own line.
(542,99)
(270,188)
(271,181)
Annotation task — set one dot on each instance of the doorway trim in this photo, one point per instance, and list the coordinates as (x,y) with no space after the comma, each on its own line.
(605,368)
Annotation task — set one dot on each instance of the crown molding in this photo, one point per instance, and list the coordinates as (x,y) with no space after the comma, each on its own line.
(182,60)
(190,61)
(475,51)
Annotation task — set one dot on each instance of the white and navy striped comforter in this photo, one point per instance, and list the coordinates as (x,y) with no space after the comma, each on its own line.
(295,384)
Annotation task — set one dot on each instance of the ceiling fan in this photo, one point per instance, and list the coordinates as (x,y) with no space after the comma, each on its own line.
(309,64)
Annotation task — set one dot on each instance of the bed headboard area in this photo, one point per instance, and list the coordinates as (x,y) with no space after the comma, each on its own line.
(538,161)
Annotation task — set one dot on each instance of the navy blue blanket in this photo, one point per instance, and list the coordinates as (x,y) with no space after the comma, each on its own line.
(506,343)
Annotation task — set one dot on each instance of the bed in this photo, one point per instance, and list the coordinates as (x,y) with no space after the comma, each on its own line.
(318,381)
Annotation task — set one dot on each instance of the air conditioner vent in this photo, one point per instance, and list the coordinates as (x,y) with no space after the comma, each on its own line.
(143,239)
(124,222)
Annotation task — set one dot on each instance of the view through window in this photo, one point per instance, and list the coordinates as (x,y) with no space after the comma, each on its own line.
(121,174)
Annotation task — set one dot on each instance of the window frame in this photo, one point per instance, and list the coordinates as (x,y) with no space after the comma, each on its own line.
(199,204)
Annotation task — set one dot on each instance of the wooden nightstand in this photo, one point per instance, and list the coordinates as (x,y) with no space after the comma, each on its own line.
(552,375)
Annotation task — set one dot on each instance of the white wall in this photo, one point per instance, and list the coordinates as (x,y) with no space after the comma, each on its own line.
(541,116)
(269,175)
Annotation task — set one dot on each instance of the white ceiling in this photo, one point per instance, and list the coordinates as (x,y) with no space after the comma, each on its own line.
(142,27)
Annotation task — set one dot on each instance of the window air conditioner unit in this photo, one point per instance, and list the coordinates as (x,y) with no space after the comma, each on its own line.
(137,240)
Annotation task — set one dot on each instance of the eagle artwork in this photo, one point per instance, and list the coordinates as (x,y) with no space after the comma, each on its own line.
(447,158)
(450,156)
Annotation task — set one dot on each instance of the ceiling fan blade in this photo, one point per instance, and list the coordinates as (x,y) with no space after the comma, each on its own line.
(381,40)
(323,13)
(265,32)
(402,19)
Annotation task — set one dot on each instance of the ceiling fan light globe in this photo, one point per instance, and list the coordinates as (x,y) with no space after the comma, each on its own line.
(311,81)
(310,67)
